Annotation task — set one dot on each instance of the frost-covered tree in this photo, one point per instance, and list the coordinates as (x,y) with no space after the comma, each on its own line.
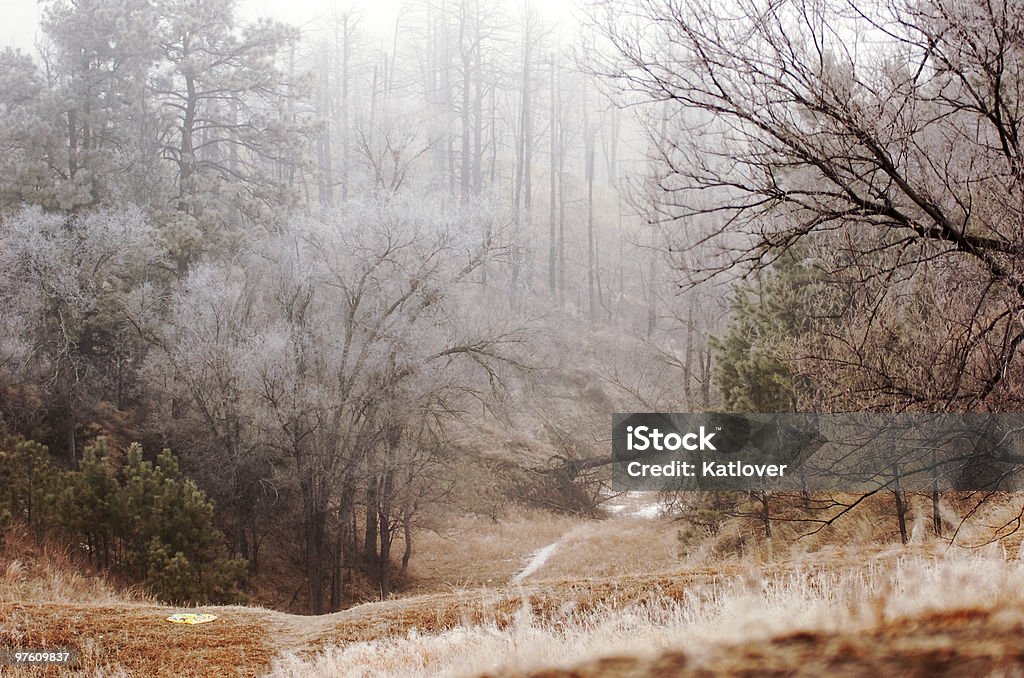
(891,125)
(224,104)
(196,379)
(98,57)
(68,281)
(305,353)
(30,134)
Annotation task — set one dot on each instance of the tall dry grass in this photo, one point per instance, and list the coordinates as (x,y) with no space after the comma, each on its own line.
(37,570)
(736,610)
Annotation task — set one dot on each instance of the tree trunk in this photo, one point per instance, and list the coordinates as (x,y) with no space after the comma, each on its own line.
(478,114)
(688,361)
(338,560)
(254,547)
(313,522)
(242,513)
(466,170)
(493,172)
(901,514)
(766,515)
(588,141)
(407,535)
(526,240)
(72,142)
(552,245)
(561,213)
(936,498)
(705,383)
(386,537)
(370,541)
(346,49)
(324,152)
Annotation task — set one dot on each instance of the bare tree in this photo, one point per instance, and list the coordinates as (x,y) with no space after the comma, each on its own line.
(300,361)
(390,149)
(890,126)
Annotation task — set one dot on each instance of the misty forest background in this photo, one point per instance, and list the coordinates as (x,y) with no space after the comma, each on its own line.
(355,285)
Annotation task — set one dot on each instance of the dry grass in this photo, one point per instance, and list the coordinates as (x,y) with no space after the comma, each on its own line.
(135,639)
(617,546)
(622,589)
(958,643)
(773,618)
(477,551)
(35,570)
(958,612)
(49,601)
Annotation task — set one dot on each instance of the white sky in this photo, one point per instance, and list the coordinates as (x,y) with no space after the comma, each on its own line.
(19,23)
(19,19)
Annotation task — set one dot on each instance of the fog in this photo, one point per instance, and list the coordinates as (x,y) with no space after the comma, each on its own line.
(363,268)
(21,17)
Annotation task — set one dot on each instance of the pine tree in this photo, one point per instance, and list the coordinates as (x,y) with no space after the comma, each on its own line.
(91,507)
(785,302)
(148,521)
(28,482)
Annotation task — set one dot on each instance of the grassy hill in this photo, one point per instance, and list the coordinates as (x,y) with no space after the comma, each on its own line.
(616,597)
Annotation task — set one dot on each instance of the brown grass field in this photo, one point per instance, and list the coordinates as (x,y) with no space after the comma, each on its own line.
(614,599)
(134,639)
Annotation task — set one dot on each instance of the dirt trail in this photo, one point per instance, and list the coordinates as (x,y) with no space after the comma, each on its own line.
(292,633)
(636,504)
(627,504)
(540,556)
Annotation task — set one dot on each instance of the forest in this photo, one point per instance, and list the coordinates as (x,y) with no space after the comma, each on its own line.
(277,302)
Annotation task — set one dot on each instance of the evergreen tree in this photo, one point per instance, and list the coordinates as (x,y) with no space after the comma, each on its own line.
(785,302)
(227,125)
(148,521)
(28,482)
(101,53)
(91,505)
(29,133)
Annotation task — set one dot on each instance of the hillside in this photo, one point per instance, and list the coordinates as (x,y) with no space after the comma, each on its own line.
(922,609)
(799,617)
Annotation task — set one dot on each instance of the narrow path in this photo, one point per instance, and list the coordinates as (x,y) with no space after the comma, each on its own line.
(540,556)
(642,505)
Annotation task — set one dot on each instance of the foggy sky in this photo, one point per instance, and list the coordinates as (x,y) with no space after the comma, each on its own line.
(20,18)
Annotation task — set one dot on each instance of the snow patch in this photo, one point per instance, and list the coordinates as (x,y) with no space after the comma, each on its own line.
(650,511)
(635,504)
